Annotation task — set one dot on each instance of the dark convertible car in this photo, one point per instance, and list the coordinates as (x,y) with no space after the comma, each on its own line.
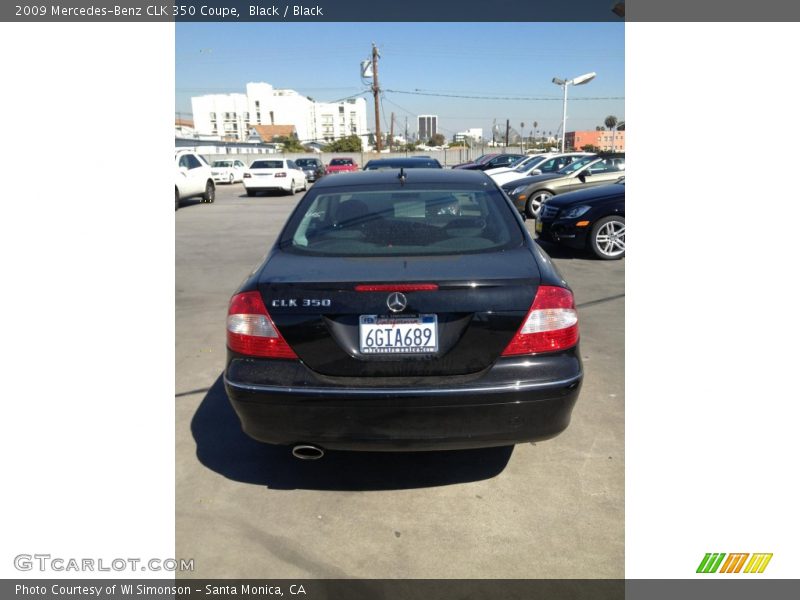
(403,310)
(592,219)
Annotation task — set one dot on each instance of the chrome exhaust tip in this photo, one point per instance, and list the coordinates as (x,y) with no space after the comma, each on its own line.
(307,452)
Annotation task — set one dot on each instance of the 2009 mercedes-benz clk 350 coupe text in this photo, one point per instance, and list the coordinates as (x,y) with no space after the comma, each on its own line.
(403,311)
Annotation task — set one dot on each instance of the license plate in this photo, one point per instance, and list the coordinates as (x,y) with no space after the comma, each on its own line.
(398,335)
(538,227)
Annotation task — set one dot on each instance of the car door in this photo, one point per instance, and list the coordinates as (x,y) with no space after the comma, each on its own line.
(292,168)
(238,170)
(194,175)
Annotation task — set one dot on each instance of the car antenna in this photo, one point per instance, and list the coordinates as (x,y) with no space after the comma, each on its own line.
(402,176)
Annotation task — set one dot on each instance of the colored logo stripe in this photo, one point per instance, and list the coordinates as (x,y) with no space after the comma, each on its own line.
(710,562)
(734,563)
(758,563)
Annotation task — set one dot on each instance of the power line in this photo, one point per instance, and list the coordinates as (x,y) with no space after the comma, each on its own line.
(420,93)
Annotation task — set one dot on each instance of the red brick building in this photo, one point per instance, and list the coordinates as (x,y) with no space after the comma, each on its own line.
(599,139)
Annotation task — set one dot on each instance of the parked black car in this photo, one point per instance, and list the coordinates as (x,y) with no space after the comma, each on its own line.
(379,321)
(478,161)
(499,160)
(413,162)
(592,219)
(312,167)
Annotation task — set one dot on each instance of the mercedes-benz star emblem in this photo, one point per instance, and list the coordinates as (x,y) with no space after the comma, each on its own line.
(396,302)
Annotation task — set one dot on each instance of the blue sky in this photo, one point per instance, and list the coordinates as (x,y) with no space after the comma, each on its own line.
(321,60)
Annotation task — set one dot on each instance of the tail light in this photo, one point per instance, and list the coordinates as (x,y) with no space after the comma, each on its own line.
(280,174)
(550,325)
(251,331)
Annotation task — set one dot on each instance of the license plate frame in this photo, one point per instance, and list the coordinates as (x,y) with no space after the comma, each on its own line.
(390,328)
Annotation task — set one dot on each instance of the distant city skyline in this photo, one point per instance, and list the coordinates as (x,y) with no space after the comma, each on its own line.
(457,71)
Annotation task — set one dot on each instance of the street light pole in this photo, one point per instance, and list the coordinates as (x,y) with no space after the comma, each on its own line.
(565,83)
(564,120)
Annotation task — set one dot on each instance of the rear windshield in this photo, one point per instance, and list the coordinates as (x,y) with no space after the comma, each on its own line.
(267,164)
(342,161)
(305,162)
(413,222)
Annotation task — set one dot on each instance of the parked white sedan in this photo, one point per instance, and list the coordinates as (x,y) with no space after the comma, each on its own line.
(192,177)
(227,171)
(548,163)
(274,174)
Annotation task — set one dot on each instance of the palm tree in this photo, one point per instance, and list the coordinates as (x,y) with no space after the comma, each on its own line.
(611,123)
(535,125)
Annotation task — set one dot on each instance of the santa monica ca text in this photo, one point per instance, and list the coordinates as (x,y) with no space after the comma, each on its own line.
(140,589)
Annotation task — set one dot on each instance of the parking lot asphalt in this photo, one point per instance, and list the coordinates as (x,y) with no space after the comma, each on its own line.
(553,509)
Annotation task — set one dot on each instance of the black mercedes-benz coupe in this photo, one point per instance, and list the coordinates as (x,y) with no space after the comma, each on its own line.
(403,310)
(592,219)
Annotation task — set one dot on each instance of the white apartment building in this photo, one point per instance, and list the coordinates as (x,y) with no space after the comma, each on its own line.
(231,115)
(475,134)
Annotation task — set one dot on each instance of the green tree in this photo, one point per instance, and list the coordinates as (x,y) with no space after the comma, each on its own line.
(290,144)
(611,122)
(436,140)
(351,143)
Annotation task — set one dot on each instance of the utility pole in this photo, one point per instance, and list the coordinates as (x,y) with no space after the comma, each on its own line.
(391,134)
(375,92)
(405,136)
(508,126)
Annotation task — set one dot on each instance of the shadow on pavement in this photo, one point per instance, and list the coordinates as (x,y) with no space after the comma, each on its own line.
(223,447)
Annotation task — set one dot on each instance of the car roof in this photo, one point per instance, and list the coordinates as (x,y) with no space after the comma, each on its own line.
(411,160)
(255,160)
(413,176)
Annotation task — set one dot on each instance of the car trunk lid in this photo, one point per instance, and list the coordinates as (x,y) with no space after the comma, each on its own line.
(477,305)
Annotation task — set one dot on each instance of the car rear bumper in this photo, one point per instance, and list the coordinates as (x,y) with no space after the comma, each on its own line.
(266,186)
(500,407)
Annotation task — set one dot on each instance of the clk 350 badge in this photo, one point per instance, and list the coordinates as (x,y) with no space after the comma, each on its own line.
(304,302)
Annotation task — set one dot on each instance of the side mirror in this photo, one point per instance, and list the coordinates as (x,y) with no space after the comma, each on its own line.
(536,172)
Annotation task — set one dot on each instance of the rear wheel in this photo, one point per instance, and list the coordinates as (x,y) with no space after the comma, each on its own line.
(210,192)
(607,239)
(292,189)
(535,202)
(230,179)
